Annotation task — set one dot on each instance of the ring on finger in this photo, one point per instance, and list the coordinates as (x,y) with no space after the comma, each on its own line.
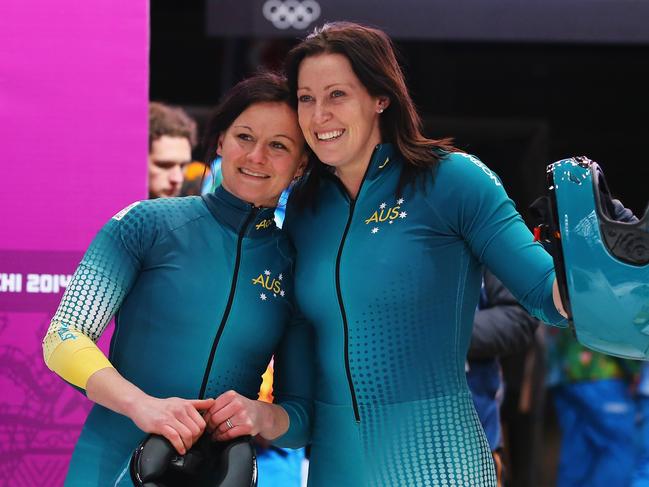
(229,424)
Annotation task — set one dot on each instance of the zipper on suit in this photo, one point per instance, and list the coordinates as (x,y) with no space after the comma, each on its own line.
(228,306)
(343,313)
(357,415)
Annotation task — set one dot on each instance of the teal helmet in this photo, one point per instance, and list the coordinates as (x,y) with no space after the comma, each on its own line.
(602,265)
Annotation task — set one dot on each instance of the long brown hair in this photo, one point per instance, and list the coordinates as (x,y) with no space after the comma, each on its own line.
(372,57)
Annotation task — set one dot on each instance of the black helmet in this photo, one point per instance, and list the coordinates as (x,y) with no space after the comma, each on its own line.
(156,463)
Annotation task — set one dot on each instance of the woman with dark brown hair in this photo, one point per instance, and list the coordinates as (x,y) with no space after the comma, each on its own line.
(201,289)
(392,230)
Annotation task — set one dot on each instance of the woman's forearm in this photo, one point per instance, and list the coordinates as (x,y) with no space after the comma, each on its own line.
(275,422)
(176,419)
(108,388)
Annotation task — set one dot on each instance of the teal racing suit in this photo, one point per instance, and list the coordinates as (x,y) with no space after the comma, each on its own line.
(391,285)
(202,293)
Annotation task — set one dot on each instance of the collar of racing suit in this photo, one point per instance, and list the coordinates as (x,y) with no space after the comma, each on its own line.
(383,157)
(236,213)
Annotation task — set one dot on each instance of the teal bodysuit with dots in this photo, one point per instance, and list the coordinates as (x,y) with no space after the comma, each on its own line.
(202,294)
(391,284)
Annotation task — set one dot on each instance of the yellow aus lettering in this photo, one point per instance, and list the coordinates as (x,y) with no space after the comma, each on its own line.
(373,218)
(265,281)
(384,215)
(264,224)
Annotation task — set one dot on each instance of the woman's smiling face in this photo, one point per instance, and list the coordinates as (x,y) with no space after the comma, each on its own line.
(262,151)
(338,116)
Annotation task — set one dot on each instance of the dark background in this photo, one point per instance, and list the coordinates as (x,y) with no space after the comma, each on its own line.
(517,105)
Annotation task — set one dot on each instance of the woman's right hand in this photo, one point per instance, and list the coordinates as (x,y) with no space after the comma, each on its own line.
(176,419)
(558,302)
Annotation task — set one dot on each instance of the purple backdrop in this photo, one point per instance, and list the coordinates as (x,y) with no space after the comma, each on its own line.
(73,125)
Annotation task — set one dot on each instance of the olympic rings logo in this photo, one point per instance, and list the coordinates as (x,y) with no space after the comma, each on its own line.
(291,13)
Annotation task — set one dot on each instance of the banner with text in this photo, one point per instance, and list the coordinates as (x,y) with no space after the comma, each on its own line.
(73,118)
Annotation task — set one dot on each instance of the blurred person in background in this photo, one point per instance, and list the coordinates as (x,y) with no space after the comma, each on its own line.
(501,327)
(197,179)
(641,470)
(172,135)
(596,411)
(594,402)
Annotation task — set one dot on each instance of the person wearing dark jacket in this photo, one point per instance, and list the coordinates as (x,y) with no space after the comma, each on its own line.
(594,403)
(501,327)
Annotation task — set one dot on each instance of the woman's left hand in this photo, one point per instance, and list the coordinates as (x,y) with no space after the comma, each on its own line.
(556,297)
(234,415)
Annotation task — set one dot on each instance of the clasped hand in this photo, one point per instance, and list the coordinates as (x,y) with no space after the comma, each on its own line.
(232,415)
(183,421)
(178,420)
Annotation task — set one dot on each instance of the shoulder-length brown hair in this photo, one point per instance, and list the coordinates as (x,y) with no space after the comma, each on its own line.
(372,57)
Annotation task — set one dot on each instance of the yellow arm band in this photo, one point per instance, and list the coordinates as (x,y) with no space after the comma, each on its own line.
(76,358)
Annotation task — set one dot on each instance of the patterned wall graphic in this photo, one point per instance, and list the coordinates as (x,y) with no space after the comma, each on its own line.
(39,416)
(73,118)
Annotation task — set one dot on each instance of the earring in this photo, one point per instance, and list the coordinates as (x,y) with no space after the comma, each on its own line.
(380,110)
